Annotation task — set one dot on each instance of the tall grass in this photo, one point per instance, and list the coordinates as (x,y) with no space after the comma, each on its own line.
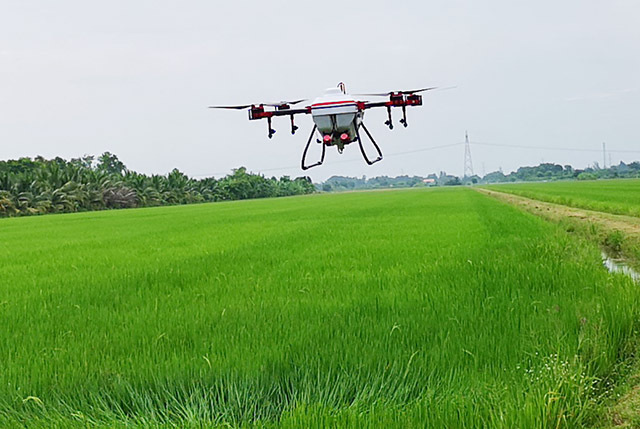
(618,196)
(380,309)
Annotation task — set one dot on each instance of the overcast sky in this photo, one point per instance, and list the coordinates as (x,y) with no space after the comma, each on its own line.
(135,78)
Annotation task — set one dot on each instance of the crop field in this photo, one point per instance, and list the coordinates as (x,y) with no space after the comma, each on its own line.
(433,307)
(617,196)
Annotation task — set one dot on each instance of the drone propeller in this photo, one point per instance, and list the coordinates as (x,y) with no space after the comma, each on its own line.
(413,91)
(285,103)
(278,105)
(245,106)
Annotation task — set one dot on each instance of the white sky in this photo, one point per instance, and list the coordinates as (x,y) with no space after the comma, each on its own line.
(135,78)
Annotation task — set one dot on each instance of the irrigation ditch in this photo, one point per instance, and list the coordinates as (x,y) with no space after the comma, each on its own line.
(617,235)
(619,239)
(616,265)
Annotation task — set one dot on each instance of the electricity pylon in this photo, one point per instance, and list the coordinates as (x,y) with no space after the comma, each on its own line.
(468,165)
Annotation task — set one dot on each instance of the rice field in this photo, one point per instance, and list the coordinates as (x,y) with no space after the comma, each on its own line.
(617,196)
(414,308)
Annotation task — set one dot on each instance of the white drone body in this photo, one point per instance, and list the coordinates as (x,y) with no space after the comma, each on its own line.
(337,117)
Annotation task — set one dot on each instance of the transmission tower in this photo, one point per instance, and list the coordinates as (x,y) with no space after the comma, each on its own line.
(468,165)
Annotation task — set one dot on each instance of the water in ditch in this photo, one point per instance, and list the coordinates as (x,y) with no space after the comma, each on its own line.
(616,265)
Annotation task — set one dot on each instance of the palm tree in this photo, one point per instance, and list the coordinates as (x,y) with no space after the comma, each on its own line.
(7,206)
(41,186)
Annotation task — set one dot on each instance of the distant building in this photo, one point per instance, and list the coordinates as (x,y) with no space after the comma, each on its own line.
(429,182)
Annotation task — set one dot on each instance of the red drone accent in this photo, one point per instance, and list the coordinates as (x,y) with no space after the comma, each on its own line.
(396,99)
(344,136)
(258,112)
(414,100)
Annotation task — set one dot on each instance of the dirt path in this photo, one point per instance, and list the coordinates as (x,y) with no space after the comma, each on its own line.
(627,224)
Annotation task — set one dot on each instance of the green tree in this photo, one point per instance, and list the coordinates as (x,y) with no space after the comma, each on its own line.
(110,164)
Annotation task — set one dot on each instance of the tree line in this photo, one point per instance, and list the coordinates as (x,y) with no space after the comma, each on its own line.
(345,183)
(550,171)
(40,186)
(542,172)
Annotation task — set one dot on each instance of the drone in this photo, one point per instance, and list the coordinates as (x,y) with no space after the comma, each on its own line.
(337,117)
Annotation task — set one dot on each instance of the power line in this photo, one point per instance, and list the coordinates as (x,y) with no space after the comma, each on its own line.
(346,161)
(552,148)
(417,150)
(426,149)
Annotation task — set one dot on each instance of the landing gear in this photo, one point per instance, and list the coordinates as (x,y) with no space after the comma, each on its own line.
(340,141)
(306,148)
(389,122)
(375,145)
(271,130)
(403,121)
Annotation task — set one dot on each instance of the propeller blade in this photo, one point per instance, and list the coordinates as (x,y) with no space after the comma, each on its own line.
(386,94)
(414,91)
(447,88)
(381,94)
(285,102)
(245,106)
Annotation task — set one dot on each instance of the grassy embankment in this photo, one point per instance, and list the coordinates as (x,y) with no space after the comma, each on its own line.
(372,309)
(611,213)
(616,196)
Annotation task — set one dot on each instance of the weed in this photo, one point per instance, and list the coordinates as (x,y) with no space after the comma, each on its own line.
(614,240)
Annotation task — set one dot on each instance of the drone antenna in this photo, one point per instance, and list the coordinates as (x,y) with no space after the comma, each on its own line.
(342,87)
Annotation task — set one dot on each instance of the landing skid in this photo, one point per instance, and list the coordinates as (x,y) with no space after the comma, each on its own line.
(375,145)
(306,148)
(324,148)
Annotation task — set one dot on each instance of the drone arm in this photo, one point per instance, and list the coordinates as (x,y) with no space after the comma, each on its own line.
(395,100)
(368,105)
(260,113)
(363,105)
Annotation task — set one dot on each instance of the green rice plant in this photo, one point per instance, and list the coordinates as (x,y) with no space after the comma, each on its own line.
(430,307)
